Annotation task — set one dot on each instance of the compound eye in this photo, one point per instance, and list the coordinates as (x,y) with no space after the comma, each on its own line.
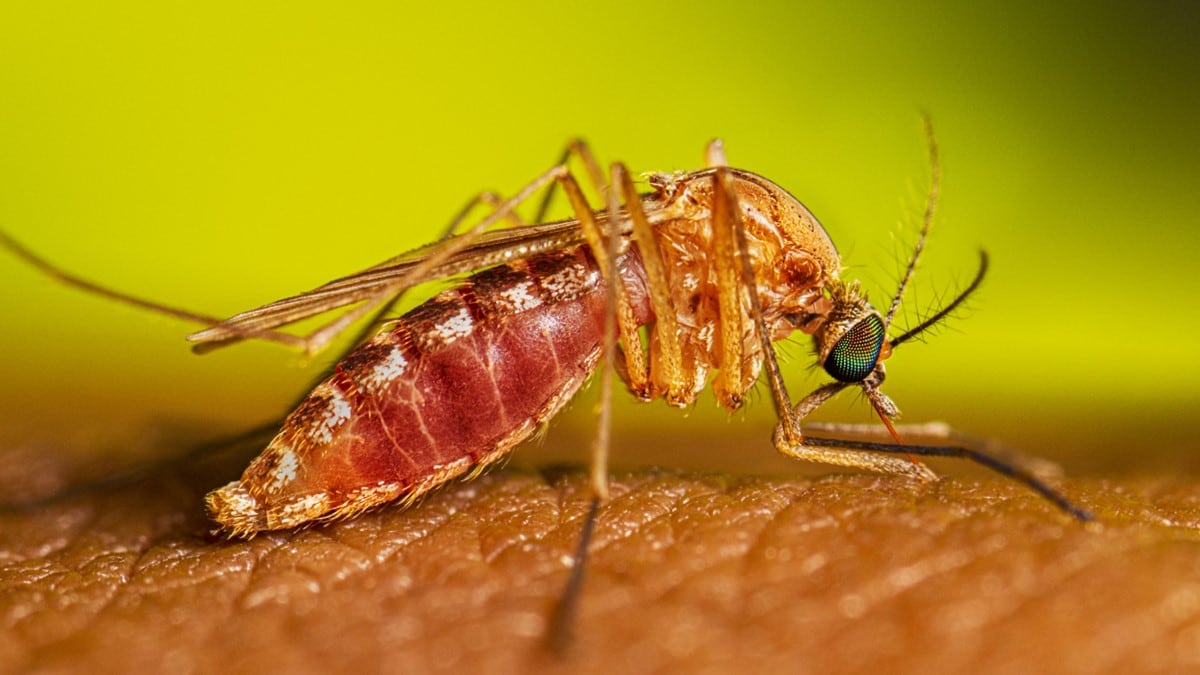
(854,356)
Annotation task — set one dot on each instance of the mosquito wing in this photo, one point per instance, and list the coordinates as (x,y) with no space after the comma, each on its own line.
(491,248)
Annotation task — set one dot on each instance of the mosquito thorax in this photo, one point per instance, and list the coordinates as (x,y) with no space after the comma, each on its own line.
(853,338)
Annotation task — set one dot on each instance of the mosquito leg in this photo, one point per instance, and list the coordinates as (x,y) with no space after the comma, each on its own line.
(617,318)
(838,455)
(486,197)
(619,321)
(734,290)
(577,147)
(666,371)
(789,440)
(998,464)
(892,458)
(317,340)
(234,330)
(321,337)
(58,274)
(562,620)
(936,433)
(922,432)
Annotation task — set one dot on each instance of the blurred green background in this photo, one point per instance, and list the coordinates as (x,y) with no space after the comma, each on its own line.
(220,156)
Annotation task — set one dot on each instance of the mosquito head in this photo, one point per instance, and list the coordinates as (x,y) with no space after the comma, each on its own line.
(853,338)
(851,345)
(852,341)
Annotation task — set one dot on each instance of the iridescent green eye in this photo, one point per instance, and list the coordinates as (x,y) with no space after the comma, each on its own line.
(853,357)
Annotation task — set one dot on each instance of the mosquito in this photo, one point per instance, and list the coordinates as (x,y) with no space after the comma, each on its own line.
(681,288)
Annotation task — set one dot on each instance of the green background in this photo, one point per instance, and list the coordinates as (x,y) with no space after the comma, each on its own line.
(218,157)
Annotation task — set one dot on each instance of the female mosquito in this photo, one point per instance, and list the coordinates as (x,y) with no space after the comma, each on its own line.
(686,286)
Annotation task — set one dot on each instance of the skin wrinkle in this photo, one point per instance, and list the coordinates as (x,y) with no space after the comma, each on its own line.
(425,535)
(889,586)
(1165,491)
(799,503)
(503,508)
(995,615)
(603,544)
(663,511)
(669,515)
(253,571)
(501,550)
(1115,632)
(757,545)
(757,549)
(709,563)
(328,536)
(975,506)
(107,604)
(564,521)
(191,578)
(492,592)
(143,565)
(1195,611)
(90,520)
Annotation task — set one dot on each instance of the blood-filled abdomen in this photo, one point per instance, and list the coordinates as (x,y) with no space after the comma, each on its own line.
(450,387)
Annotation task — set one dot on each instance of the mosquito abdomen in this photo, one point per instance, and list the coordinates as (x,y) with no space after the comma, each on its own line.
(450,387)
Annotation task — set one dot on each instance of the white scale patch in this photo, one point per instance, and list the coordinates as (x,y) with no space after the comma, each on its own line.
(520,297)
(285,470)
(336,414)
(569,281)
(305,508)
(374,494)
(456,326)
(239,502)
(391,367)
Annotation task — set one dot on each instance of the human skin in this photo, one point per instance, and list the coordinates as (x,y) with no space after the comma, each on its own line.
(688,573)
